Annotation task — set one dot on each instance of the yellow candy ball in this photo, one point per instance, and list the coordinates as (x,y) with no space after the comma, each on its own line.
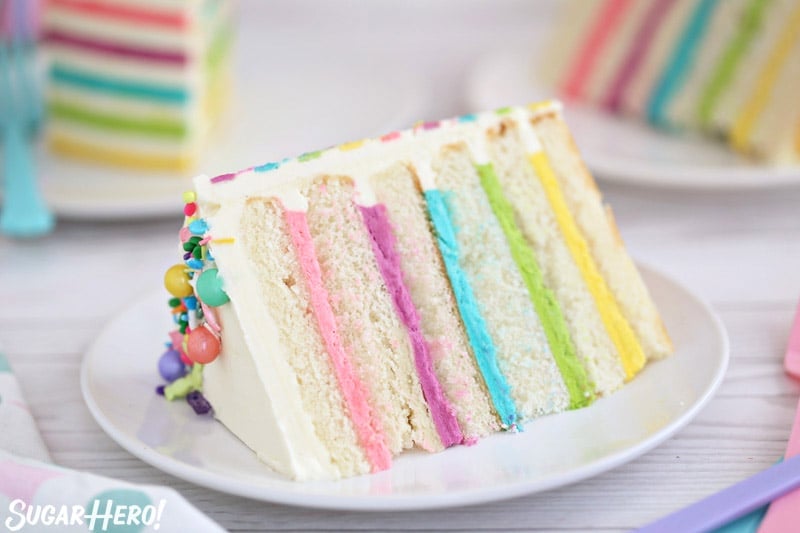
(176,280)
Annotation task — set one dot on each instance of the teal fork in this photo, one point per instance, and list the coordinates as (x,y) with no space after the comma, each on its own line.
(24,212)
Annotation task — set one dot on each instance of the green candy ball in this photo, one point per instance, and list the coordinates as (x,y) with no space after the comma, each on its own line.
(209,288)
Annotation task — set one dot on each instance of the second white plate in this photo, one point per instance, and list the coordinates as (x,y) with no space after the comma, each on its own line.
(621,150)
(119,375)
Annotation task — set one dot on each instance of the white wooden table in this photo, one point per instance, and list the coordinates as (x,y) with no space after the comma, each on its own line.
(741,251)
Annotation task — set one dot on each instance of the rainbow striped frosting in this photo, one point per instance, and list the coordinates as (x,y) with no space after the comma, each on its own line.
(422,289)
(725,67)
(135,83)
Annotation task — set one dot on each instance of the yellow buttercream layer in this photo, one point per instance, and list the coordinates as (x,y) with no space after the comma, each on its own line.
(619,330)
(216,101)
(746,121)
(120,158)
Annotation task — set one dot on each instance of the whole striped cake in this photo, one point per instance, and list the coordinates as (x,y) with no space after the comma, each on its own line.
(730,68)
(419,290)
(135,83)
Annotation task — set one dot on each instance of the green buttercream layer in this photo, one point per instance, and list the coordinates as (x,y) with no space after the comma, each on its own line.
(219,48)
(729,62)
(181,387)
(581,391)
(155,127)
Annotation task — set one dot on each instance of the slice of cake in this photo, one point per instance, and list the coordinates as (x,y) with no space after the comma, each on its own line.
(419,290)
(727,68)
(135,83)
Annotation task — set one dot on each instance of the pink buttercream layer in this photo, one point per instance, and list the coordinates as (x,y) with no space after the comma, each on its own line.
(606,22)
(638,51)
(383,245)
(367,425)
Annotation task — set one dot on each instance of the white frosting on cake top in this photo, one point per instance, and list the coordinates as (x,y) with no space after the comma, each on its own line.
(361,159)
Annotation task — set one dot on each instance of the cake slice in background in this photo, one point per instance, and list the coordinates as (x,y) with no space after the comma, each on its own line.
(136,83)
(723,67)
(419,290)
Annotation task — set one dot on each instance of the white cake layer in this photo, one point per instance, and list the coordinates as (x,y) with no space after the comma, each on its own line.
(722,28)
(120,141)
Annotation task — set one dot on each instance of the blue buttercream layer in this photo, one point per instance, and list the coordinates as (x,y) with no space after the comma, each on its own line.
(477,330)
(76,78)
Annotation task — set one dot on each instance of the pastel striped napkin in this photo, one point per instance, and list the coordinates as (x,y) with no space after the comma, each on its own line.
(36,495)
(18,433)
(784,513)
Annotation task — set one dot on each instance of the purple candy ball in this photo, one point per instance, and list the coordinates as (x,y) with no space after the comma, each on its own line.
(170,365)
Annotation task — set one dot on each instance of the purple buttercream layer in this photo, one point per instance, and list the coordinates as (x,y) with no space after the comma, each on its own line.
(637,52)
(104,47)
(383,244)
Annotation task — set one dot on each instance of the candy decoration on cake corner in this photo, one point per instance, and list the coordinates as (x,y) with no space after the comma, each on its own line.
(196,290)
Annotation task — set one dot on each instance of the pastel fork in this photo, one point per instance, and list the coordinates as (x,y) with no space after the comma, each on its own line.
(733,502)
(784,513)
(24,212)
(791,362)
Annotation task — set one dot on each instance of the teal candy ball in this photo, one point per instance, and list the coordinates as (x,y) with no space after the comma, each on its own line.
(209,288)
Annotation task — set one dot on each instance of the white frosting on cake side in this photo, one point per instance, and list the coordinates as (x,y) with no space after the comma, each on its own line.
(284,436)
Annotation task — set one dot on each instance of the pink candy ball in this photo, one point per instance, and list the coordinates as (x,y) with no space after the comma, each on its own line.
(203,346)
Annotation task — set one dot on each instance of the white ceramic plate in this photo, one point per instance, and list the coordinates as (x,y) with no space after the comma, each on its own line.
(623,150)
(119,376)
